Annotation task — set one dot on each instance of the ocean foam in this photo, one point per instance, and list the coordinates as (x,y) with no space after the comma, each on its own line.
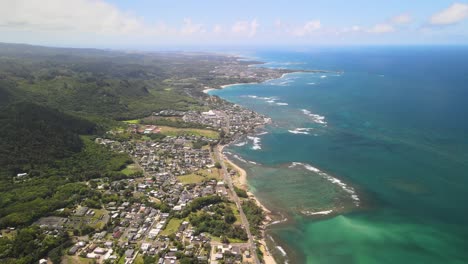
(300,130)
(240,144)
(315,118)
(262,133)
(281,250)
(305,212)
(255,142)
(331,179)
(323,76)
(311,83)
(267,99)
(282,104)
(239,158)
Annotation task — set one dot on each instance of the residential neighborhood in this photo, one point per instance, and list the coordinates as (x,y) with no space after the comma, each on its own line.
(175,206)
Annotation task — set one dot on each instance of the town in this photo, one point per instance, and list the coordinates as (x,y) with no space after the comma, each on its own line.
(178,203)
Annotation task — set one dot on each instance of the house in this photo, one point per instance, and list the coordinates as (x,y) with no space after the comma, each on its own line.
(129,253)
(72,250)
(145,246)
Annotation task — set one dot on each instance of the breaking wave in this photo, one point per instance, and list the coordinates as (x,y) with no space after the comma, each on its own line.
(301,130)
(350,190)
(255,142)
(315,118)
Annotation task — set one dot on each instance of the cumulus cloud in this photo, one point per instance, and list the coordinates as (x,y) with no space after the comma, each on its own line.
(74,15)
(308,28)
(451,15)
(190,28)
(248,28)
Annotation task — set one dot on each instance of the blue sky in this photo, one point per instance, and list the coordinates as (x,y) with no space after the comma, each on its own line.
(146,23)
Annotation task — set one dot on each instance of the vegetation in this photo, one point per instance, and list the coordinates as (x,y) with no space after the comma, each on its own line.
(199,203)
(171,227)
(54,102)
(240,192)
(31,244)
(33,136)
(254,214)
(219,224)
(172,122)
(191,178)
(173,131)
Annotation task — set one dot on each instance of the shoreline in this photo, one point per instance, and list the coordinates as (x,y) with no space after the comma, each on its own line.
(241,183)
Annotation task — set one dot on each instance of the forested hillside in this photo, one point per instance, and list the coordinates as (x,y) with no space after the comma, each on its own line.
(34,135)
(117,85)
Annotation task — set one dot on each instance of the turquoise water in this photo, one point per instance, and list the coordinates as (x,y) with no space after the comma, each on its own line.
(392,129)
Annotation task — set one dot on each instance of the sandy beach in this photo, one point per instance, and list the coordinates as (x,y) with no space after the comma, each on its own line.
(207,90)
(241,182)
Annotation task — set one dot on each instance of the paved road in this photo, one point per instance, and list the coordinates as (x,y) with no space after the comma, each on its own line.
(228,181)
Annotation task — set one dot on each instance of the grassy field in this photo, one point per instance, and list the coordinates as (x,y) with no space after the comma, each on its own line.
(76,260)
(130,169)
(133,121)
(172,226)
(172,131)
(191,178)
(200,176)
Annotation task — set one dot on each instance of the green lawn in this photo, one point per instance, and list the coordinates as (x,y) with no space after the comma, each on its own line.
(200,176)
(76,260)
(173,131)
(134,121)
(191,178)
(172,226)
(130,169)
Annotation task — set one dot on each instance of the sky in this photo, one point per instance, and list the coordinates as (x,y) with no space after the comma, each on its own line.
(156,23)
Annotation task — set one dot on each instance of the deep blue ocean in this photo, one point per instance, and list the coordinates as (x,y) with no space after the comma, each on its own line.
(369,162)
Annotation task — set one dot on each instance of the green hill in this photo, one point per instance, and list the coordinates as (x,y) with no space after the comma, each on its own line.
(33,135)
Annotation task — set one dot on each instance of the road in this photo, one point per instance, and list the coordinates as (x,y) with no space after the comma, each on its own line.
(245,223)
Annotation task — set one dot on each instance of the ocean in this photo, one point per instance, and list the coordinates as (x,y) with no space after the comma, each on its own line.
(368,162)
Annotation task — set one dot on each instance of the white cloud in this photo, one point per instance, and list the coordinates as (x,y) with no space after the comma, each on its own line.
(307,28)
(75,15)
(248,28)
(401,19)
(382,28)
(391,25)
(189,28)
(451,15)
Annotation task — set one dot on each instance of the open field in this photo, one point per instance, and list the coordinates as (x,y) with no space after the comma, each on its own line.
(76,260)
(172,226)
(200,176)
(172,131)
(133,121)
(191,178)
(130,169)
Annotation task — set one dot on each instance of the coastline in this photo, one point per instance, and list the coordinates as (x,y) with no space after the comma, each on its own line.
(241,183)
